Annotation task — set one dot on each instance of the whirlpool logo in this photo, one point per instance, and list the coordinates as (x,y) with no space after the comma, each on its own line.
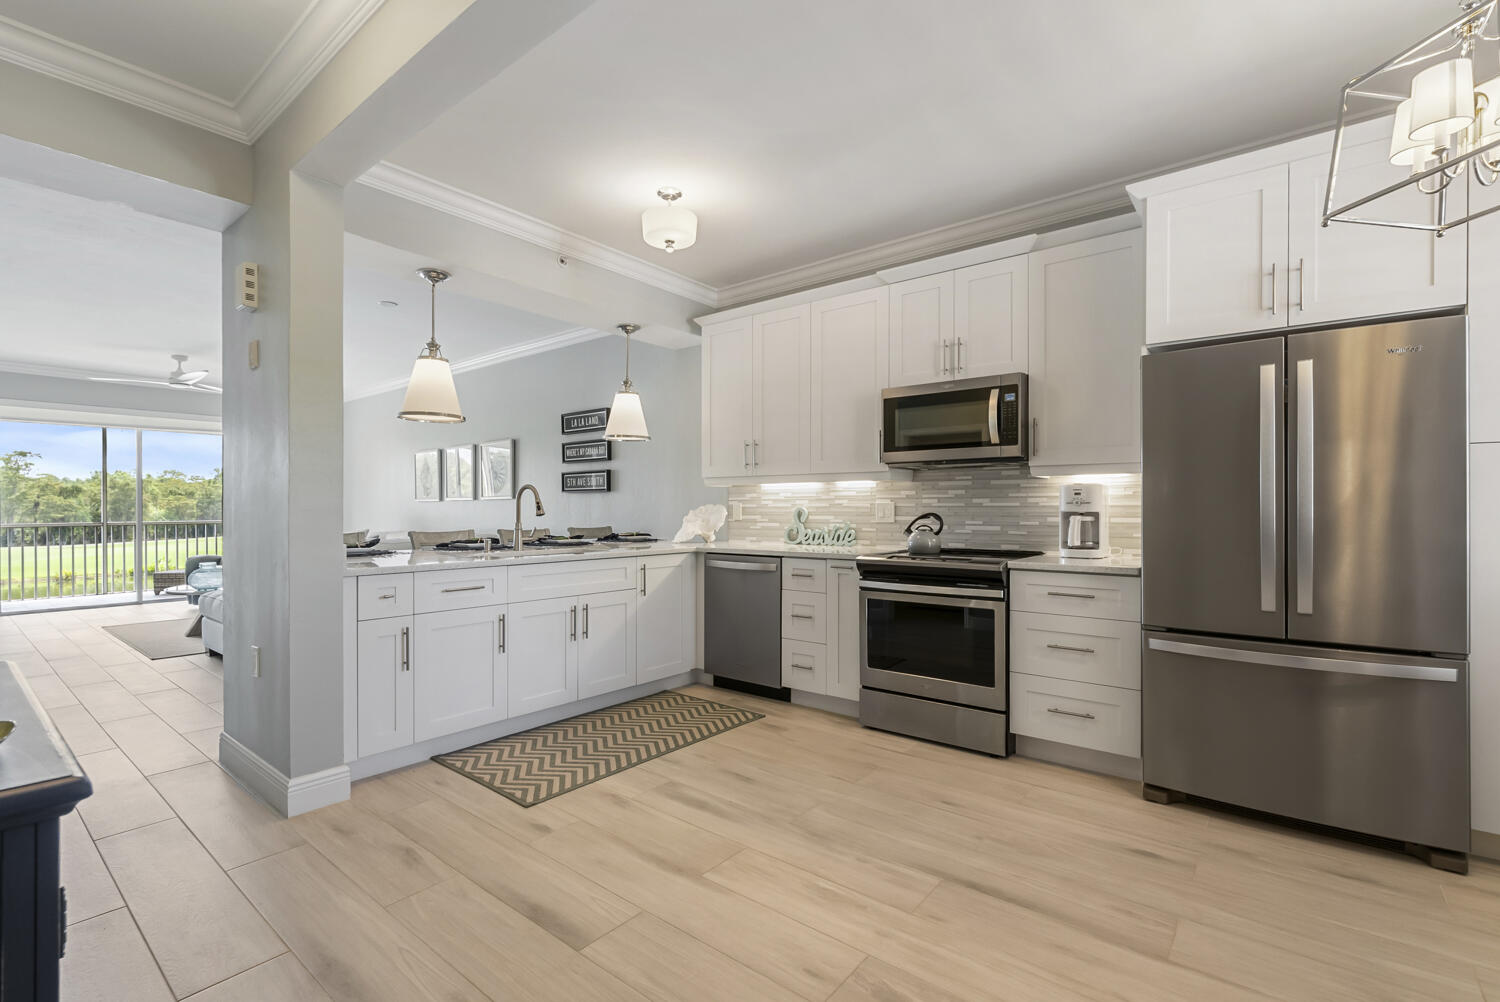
(1404,349)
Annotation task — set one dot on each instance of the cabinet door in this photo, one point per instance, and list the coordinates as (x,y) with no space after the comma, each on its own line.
(1484,671)
(989,318)
(543,653)
(664,617)
(726,398)
(843,631)
(606,642)
(1087,329)
(850,357)
(1216,257)
(921,311)
(460,678)
(782,392)
(1345,270)
(385,685)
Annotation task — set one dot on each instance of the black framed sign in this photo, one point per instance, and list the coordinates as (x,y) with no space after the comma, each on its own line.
(577,422)
(596,451)
(596,481)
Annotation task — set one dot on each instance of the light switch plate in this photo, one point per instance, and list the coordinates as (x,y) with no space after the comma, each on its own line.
(885,511)
(255,354)
(736,511)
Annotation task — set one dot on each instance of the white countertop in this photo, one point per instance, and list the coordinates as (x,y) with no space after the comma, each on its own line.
(1079,565)
(404,561)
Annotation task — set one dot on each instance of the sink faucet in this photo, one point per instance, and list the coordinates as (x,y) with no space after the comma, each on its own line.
(540,511)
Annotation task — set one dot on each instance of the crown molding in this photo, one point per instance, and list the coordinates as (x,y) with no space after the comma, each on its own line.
(551,342)
(314,40)
(434,194)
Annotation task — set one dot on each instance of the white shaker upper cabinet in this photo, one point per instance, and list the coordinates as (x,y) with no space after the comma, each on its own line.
(781,397)
(1343,271)
(989,318)
(1087,328)
(726,398)
(921,330)
(1216,257)
(849,369)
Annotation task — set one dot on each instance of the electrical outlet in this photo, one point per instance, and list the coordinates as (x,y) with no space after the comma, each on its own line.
(254,661)
(736,511)
(885,511)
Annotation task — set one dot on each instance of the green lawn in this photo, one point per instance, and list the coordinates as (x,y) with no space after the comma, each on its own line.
(79,569)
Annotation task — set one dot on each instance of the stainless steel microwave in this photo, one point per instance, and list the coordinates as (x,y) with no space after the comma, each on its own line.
(966,421)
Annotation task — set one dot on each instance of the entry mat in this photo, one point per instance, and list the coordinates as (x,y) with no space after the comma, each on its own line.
(161,638)
(544,762)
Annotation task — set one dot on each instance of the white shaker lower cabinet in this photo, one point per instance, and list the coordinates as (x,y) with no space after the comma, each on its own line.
(461,679)
(821,654)
(664,617)
(543,650)
(384,684)
(606,642)
(843,631)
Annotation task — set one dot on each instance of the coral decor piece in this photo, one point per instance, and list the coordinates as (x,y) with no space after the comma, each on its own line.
(705,520)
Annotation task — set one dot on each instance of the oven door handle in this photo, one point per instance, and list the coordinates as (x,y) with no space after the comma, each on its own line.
(932,594)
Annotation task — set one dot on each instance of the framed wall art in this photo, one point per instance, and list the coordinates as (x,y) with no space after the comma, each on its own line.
(594,481)
(428,474)
(578,422)
(458,473)
(595,451)
(497,470)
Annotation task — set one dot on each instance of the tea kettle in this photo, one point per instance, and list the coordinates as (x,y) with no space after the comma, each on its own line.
(921,538)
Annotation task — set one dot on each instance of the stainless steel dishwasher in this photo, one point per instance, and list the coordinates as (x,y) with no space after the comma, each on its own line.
(742,622)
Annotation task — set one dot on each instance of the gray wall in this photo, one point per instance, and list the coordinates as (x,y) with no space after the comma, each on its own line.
(654,482)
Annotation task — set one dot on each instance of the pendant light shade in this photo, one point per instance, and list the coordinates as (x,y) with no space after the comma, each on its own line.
(669,227)
(430,393)
(627,421)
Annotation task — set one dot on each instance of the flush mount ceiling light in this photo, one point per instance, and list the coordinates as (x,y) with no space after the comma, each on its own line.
(669,227)
(1443,124)
(430,393)
(627,422)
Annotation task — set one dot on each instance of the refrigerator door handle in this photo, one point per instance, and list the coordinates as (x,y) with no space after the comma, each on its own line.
(1376,669)
(1306,506)
(1268,494)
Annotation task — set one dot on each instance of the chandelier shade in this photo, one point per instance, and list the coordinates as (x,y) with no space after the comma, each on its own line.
(1442,101)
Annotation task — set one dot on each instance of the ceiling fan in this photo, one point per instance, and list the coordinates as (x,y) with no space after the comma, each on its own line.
(183,380)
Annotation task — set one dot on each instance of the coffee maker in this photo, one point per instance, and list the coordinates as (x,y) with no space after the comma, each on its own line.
(1083,520)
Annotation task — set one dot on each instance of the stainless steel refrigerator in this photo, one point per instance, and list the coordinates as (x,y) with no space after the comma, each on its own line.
(1305,592)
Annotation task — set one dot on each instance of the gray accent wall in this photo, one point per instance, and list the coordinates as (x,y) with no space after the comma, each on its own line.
(654,483)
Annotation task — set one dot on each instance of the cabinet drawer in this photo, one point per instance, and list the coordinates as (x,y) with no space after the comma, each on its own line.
(804,666)
(382,596)
(461,588)
(1100,717)
(1097,596)
(1102,651)
(804,575)
(567,578)
(804,616)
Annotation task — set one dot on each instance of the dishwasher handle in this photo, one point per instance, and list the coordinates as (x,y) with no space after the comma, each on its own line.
(741,565)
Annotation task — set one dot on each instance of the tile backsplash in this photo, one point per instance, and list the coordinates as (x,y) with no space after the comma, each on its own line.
(983,507)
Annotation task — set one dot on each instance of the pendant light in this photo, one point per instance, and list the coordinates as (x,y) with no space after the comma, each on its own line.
(627,422)
(669,227)
(430,393)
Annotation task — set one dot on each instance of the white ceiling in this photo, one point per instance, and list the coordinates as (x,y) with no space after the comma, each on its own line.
(801,131)
(100,288)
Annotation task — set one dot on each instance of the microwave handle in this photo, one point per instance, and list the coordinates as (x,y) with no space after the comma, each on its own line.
(995,416)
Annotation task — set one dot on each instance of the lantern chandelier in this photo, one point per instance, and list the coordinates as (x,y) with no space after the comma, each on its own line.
(1444,123)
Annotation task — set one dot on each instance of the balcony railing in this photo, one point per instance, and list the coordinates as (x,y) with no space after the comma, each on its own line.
(79,559)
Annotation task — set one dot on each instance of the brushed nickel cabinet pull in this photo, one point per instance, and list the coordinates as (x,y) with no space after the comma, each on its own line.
(643,579)
(747,455)
(386,596)
(1070,713)
(573,623)
(406,648)
(502,633)
(1273,288)
(464,588)
(803,667)
(1065,647)
(1071,594)
(1036,438)
(800,615)
(802,574)
(585,621)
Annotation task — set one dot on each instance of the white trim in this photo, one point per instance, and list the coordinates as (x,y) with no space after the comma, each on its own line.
(291,797)
(114,417)
(434,194)
(313,41)
(551,342)
(819,701)
(983,254)
(862,284)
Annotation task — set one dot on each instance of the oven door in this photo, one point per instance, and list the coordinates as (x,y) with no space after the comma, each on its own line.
(937,643)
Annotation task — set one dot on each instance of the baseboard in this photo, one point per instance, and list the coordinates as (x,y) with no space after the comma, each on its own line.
(291,796)
(833,704)
(1486,845)
(397,758)
(1074,757)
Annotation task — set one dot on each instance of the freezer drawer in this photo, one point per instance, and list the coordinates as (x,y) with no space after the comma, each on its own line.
(1373,743)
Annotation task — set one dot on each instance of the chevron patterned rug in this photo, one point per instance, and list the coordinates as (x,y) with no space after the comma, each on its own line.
(542,763)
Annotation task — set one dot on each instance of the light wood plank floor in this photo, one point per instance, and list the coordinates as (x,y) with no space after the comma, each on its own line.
(800,857)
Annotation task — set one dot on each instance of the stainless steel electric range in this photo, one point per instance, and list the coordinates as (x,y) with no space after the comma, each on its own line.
(934,646)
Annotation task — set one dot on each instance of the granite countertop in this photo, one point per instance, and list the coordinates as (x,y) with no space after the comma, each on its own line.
(1122,565)
(405,561)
